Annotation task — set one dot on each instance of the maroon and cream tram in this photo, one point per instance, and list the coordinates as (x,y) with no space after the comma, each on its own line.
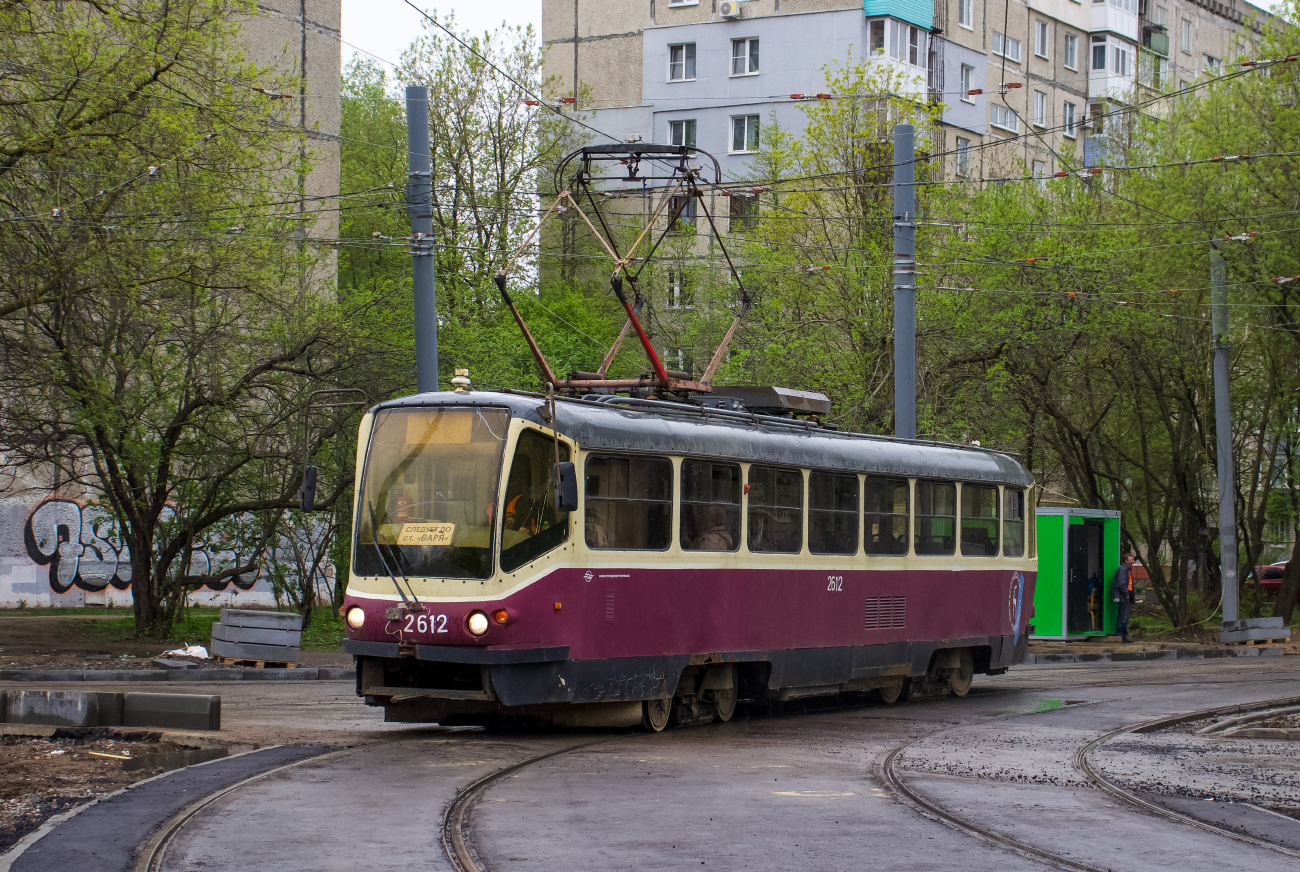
(611,561)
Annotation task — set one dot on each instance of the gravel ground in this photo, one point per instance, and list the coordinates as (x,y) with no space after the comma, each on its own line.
(40,778)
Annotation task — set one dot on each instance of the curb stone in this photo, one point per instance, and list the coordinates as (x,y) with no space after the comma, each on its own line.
(1131,656)
(323,673)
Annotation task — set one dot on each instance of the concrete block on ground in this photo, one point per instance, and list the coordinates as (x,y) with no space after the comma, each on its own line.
(242,651)
(1191,654)
(261,619)
(63,708)
(1162,655)
(257,635)
(1271,651)
(336,673)
(177,711)
(1252,634)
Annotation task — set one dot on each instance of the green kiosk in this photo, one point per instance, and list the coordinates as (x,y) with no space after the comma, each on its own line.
(1078,553)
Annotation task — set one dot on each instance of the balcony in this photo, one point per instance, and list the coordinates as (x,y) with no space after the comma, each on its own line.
(1156,38)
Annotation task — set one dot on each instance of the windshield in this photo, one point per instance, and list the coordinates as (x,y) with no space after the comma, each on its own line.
(431,481)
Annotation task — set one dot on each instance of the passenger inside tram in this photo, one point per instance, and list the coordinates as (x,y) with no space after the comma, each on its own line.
(715,536)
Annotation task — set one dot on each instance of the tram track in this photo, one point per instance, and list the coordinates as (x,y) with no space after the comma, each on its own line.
(456,817)
(928,807)
(458,847)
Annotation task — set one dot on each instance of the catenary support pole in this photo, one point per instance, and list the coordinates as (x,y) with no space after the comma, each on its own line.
(419,206)
(1223,437)
(904,282)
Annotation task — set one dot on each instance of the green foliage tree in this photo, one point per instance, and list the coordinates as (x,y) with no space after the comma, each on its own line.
(158,322)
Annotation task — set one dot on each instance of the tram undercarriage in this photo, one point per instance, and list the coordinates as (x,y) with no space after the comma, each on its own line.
(655,692)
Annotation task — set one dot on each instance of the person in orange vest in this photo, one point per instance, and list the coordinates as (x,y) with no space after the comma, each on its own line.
(1122,587)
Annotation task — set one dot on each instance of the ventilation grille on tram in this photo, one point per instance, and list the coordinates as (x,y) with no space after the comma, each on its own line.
(886,612)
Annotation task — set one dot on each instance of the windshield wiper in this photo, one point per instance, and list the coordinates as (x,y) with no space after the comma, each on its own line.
(374,534)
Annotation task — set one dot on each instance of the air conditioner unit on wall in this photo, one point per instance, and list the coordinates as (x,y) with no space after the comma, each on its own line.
(729,9)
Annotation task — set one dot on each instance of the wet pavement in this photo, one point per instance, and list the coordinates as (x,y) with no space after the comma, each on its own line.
(793,790)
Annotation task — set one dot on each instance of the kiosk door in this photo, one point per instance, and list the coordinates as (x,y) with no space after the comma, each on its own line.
(1085,587)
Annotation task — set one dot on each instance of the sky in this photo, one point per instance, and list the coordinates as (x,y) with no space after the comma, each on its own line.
(386,27)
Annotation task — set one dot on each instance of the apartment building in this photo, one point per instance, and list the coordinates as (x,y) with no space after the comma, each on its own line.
(711,73)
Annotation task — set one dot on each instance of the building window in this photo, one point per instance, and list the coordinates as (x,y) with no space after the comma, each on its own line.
(1040,38)
(676,360)
(681,212)
(744,134)
(682,133)
(964,13)
(744,57)
(967,72)
(1040,109)
(907,43)
(1187,37)
(679,297)
(1162,16)
(1212,64)
(963,156)
(681,62)
(1067,119)
(1005,47)
(878,35)
(744,213)
(1098,52)
(1120,61)
(1001,116)
(1040,173)
(1071,52)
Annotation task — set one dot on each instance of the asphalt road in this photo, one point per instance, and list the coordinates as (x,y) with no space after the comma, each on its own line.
(799,789)
(796,790)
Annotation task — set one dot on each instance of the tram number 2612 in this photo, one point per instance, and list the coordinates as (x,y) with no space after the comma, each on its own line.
(835,582)
(425,624)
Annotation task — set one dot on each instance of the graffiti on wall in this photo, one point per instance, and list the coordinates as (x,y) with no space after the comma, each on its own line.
(81,547)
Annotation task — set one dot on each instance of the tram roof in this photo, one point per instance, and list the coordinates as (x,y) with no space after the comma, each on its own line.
(657,428)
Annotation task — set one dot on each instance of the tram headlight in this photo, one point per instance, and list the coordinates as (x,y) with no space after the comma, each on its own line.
(356,617)
(477,623)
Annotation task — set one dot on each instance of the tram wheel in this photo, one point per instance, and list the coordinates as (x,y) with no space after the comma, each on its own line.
(655,714)
(959,679)
(725,700)
(893,693)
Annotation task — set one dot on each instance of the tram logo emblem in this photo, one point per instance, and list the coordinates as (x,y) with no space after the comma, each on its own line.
(1015,602)
(587,575)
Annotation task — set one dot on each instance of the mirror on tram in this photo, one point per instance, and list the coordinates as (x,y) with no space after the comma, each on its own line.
(566,487)
(308,488)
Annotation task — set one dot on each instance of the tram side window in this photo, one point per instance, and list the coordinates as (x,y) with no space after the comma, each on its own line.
(979,520)
(1013,523)
(710,506)
(775,509)
(629,503)
(936,517)
(885,517)
(530,525)
(832,513)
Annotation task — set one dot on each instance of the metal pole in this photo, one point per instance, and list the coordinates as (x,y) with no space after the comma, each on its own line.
(904,282)
(419,206)
(1223,434)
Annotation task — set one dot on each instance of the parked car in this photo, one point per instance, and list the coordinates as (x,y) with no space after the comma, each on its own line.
(1270,577)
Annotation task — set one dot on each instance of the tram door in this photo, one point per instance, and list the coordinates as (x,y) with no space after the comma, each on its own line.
(1086,587)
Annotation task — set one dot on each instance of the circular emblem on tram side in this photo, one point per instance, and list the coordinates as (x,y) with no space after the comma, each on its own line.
(1015,600)
(587,575)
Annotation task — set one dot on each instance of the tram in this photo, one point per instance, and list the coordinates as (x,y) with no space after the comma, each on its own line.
(608,560)
(653,549)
